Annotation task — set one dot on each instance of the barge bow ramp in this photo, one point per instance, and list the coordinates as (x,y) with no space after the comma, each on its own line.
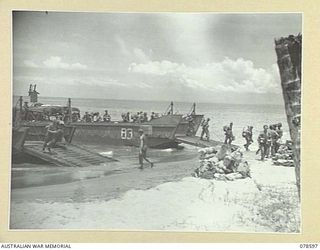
(66,156)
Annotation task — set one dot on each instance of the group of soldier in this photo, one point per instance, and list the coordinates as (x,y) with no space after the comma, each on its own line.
(139,117)
(229,137)
(96,117)
(268,140)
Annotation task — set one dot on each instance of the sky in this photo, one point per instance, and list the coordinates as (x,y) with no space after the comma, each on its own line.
(201,57)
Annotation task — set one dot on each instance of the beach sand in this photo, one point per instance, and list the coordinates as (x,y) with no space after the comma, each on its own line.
(156,199)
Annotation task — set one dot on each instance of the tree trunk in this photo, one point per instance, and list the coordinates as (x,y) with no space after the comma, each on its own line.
(289,61)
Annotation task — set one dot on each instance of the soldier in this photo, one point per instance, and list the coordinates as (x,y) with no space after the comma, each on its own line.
(143,149)
(106,116)
(153,116)
(247,134)
(140,117)
(280,134)
(96,117)
(128,116)
(205,129)
(50,138)
(263,141)
(190,130)
(135,117)
(274,136)
(86,117)
(145,117)
(228,133)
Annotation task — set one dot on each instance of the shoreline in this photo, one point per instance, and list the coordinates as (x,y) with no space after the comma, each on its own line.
(181,204)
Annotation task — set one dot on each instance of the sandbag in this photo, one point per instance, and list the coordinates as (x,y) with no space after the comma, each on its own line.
(244,169)
(213,160)
(224,150)
(207,175)
(233,176)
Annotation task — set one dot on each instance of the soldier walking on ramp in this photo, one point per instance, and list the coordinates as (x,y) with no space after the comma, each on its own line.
(53,135)
(143,149)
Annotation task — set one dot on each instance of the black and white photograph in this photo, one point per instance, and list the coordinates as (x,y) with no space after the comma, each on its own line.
(156,121)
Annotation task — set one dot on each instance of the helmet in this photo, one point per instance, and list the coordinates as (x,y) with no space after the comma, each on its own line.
(140,130)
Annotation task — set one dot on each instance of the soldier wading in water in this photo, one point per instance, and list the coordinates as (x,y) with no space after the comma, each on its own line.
(143,149)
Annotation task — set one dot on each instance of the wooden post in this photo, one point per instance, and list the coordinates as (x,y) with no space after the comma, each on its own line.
(171,108)
(69,111)
(289,62)
(20,103)
(18,113)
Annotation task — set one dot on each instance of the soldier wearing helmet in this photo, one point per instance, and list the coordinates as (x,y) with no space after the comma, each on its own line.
(264,140)
(229,137)
(50,137)
(247,134)
(280,134)
(205,129)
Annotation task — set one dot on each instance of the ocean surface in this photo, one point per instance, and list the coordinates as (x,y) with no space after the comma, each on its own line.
(28,174)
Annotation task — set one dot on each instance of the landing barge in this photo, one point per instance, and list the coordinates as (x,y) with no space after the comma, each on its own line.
(161,131)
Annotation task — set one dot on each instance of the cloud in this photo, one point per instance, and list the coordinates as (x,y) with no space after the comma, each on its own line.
(122,45)
(30,63)
(55,62)
(140,55)
(228,75)
(157,68)
(132,53)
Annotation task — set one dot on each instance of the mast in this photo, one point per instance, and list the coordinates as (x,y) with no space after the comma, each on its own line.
(30,89)
(193,110)
(288,51)
(33,94)
(69,110)
(20,103)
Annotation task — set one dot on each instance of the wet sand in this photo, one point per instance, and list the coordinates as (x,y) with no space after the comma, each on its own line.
(164,198)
